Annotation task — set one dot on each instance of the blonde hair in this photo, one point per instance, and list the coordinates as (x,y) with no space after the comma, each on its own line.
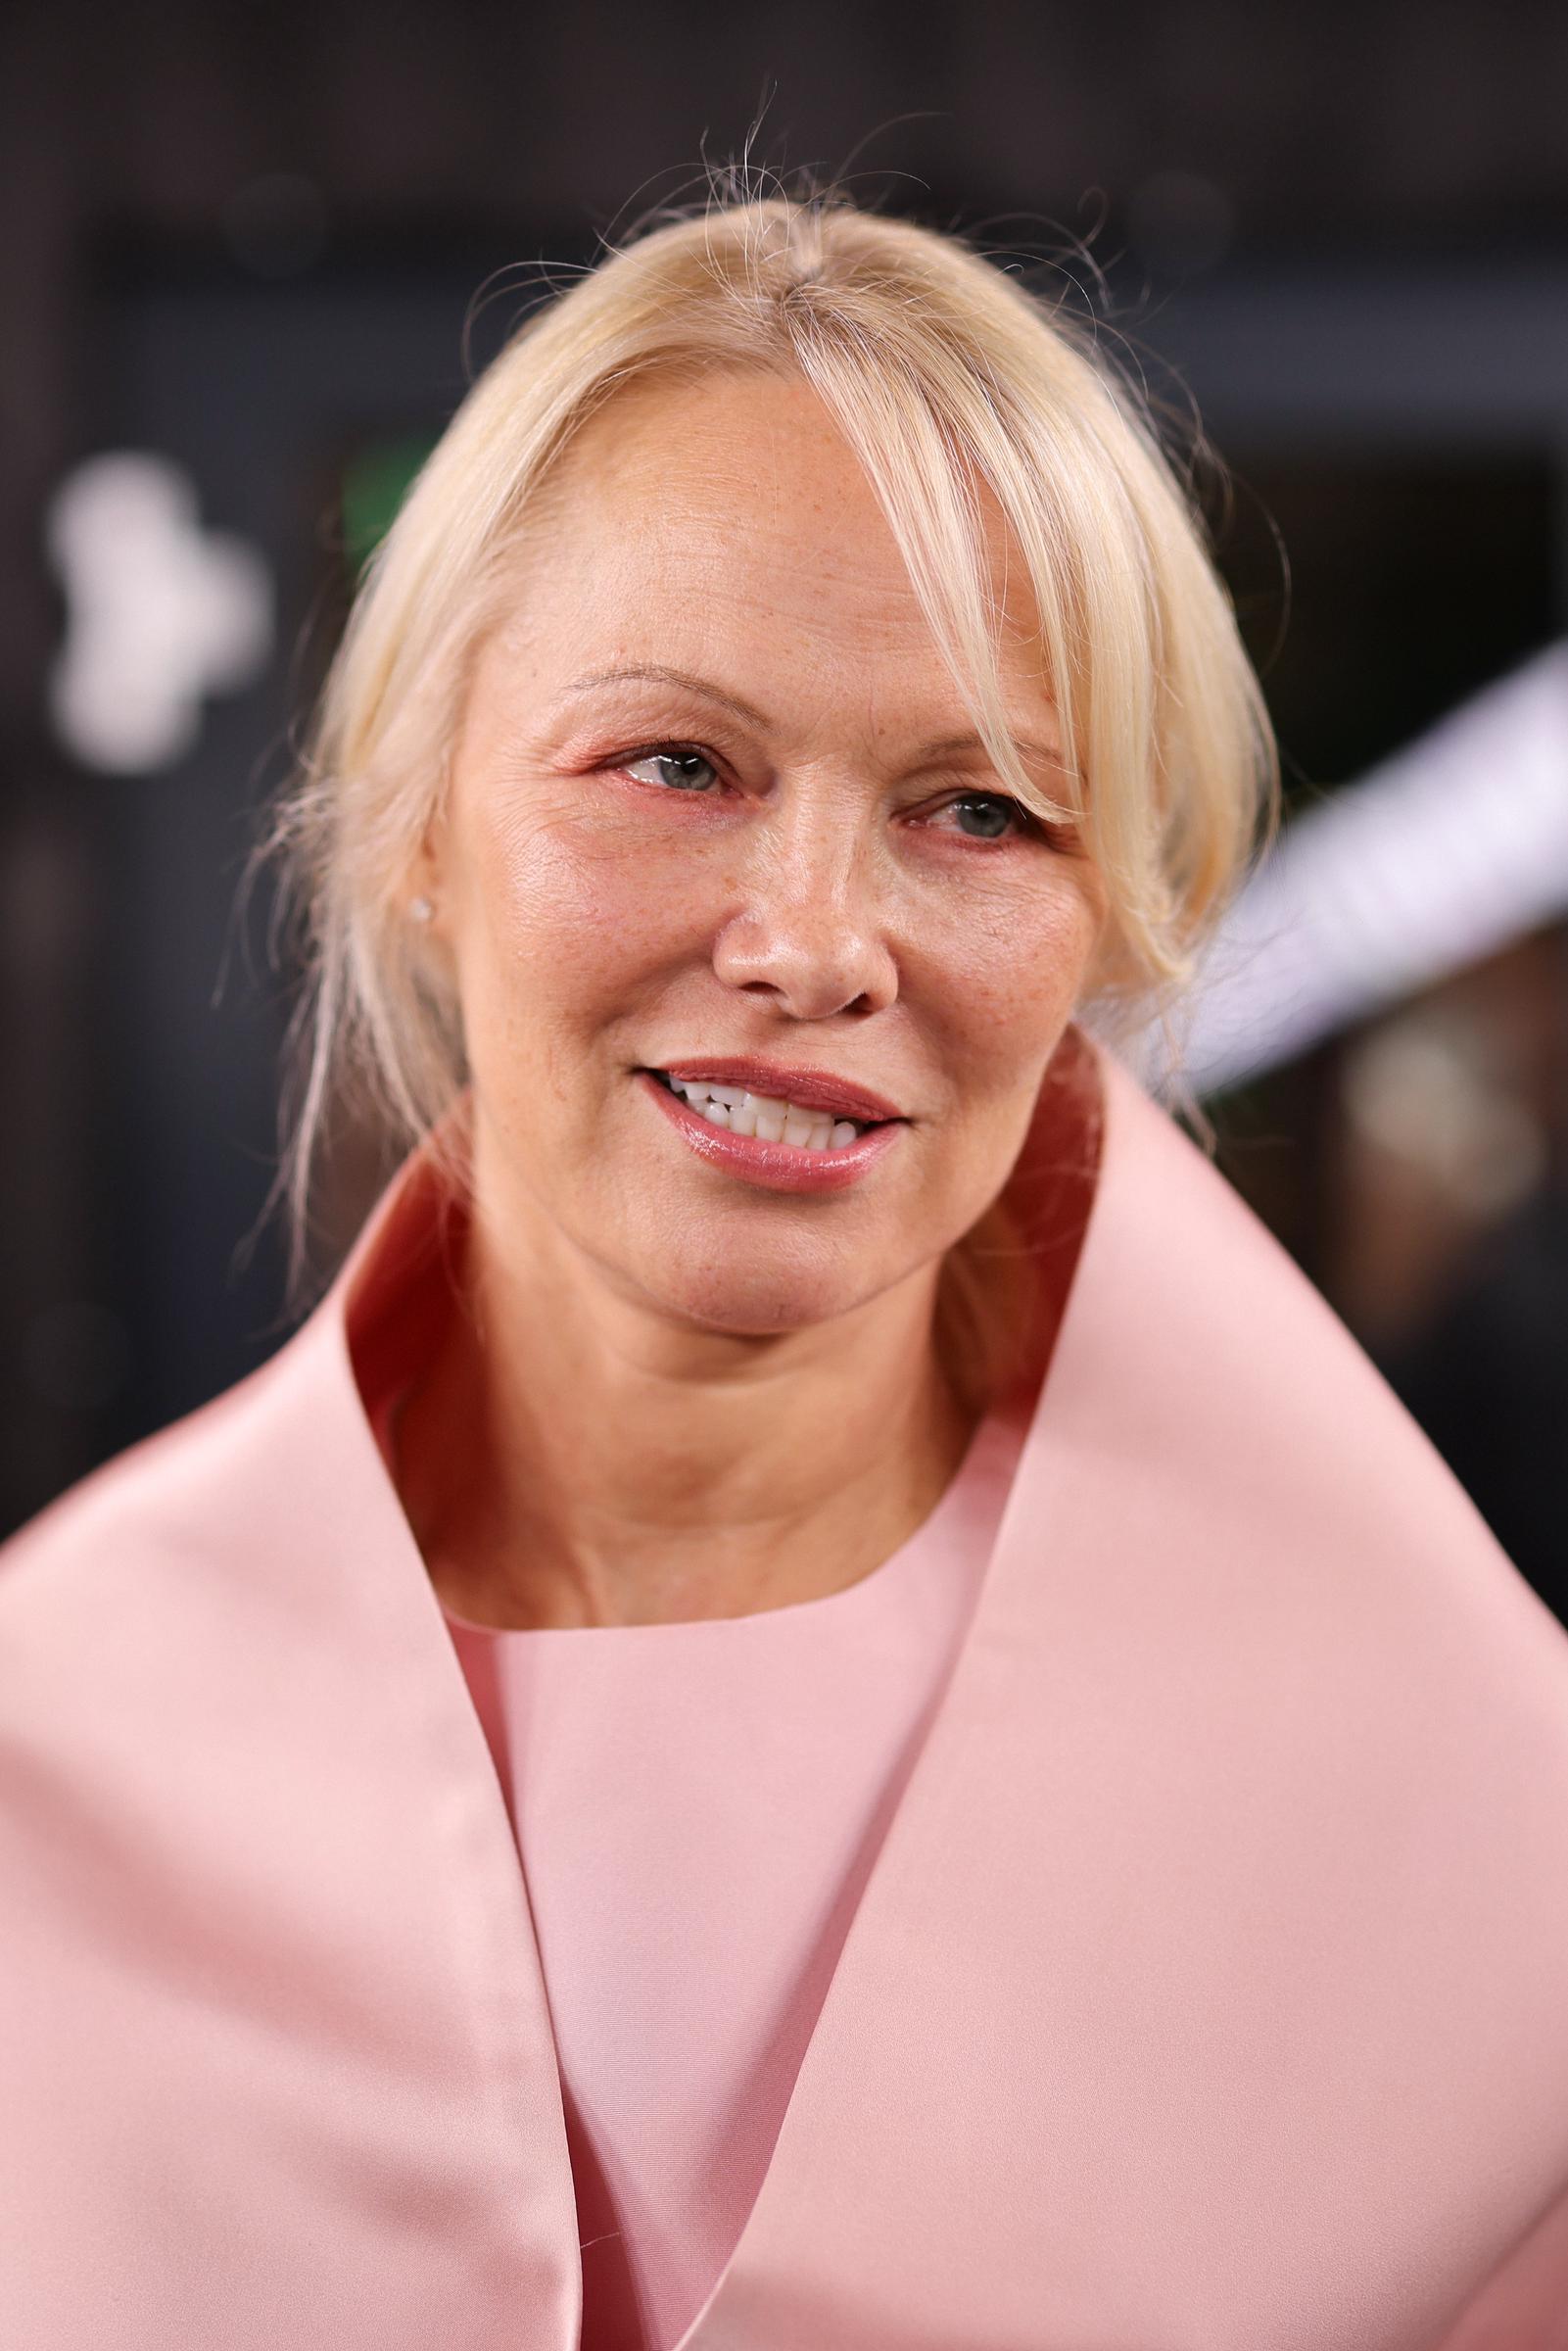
(945,375)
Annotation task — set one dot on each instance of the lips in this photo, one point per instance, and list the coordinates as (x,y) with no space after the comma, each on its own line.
(783,1081)
(773,1167)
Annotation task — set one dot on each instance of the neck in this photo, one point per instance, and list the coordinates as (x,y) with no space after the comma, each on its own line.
(572,1458)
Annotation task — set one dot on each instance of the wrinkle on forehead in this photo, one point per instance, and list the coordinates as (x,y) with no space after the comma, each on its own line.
(682,510)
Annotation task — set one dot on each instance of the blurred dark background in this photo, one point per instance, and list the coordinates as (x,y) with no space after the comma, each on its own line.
(241,251)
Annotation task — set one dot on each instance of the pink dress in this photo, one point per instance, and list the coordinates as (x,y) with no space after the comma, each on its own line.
(738,1774)
(1206,1993)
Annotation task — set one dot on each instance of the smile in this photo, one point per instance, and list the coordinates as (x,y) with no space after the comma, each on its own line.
(783,1146)
(764,1116)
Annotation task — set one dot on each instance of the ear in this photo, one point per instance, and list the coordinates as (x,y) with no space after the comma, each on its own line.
(416,901)
(425,874)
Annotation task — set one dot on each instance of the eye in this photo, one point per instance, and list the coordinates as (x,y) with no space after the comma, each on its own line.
(999,815)
(686,769)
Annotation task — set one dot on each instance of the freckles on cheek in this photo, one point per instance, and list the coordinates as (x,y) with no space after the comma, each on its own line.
(1060,938)
(1025,950)
(1013,985)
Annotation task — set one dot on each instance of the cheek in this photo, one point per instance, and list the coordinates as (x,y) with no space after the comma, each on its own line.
(567,914)
(1011,975)
(1056,949)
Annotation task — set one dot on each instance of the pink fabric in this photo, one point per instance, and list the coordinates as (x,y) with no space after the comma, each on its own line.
(736,1776)
(1205,1993)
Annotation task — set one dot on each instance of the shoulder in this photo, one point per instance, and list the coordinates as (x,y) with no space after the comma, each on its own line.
(1241,1475)
(141,1541)
(143,1491)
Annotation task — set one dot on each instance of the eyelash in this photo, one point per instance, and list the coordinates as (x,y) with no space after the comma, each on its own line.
(1025,824)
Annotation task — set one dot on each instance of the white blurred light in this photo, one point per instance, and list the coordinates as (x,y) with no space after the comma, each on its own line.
(1437,858)
(1424,1087)
(159,612)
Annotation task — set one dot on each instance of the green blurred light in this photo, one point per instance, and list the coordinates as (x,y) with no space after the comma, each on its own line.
(375,482)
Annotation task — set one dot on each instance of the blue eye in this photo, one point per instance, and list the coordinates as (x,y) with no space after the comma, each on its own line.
(1008,814)
(688,767)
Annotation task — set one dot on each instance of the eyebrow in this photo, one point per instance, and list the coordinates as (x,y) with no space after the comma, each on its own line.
(654,673)
(658,673)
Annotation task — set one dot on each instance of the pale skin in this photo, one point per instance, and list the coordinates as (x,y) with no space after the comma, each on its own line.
(670,1394)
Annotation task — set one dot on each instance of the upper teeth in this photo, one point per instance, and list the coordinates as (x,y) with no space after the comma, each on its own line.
(766,1117)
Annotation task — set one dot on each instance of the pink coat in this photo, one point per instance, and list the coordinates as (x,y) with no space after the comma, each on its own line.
(1210,1991)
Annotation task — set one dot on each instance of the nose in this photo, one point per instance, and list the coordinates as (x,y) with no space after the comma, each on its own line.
(811,929)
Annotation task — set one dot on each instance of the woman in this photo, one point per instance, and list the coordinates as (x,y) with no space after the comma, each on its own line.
(819,1705)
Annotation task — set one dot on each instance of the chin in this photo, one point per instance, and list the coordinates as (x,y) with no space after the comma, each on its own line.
(760,1304)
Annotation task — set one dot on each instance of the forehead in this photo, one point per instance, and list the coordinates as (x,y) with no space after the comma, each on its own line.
(732,503)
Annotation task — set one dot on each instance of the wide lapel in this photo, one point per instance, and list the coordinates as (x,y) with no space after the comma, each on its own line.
(278,2065)
(431,1898)
(1207,1994)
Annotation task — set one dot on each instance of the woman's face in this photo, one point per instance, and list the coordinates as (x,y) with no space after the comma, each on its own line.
(716,797)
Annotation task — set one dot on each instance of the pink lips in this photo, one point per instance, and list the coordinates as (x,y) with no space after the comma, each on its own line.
(775,1167)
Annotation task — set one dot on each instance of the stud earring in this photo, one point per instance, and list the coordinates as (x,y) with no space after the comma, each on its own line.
(421,910)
